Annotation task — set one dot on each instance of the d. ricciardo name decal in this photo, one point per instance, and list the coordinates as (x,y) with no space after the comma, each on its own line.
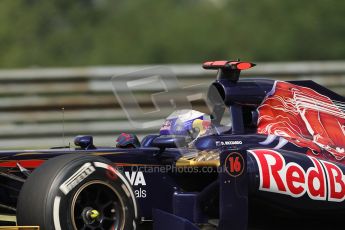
(226,143)
(322,181)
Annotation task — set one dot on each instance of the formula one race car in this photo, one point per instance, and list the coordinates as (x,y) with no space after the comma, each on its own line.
(269,150)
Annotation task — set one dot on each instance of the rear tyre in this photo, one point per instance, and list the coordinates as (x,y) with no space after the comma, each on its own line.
(77,192)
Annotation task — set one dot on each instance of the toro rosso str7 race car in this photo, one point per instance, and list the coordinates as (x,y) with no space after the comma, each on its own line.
(269,150)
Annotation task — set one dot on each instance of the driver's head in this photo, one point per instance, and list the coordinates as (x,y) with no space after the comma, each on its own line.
(185,122)
(201,126)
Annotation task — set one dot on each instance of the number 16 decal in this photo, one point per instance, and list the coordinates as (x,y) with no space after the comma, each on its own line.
(234,164)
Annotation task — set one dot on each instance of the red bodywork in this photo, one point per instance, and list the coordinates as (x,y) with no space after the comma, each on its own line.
(305,118)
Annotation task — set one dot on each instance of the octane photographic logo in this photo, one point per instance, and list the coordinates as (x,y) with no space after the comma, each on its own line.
(323,181)
(148,96)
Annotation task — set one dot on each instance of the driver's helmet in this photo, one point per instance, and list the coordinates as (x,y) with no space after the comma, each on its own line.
(186,122)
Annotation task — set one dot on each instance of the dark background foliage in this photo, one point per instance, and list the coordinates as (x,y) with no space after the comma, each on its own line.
(111,32)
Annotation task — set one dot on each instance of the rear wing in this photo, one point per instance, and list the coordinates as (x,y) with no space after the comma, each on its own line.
(229,70)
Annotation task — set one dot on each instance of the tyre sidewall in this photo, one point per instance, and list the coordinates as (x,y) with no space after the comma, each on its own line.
(60,197)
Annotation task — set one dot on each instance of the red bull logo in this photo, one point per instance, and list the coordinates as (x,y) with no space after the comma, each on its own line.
(323,181)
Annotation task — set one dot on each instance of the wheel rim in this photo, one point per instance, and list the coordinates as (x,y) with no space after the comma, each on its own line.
(97,206)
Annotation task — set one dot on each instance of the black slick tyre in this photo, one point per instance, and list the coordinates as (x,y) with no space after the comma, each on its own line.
(77,191)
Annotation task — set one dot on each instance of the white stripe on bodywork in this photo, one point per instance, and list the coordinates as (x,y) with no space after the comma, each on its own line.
(282,143)
(270,138)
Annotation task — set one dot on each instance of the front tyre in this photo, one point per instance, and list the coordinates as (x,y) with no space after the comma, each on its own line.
(77,192)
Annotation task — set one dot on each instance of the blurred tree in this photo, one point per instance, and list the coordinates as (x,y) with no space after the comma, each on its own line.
(106,32)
